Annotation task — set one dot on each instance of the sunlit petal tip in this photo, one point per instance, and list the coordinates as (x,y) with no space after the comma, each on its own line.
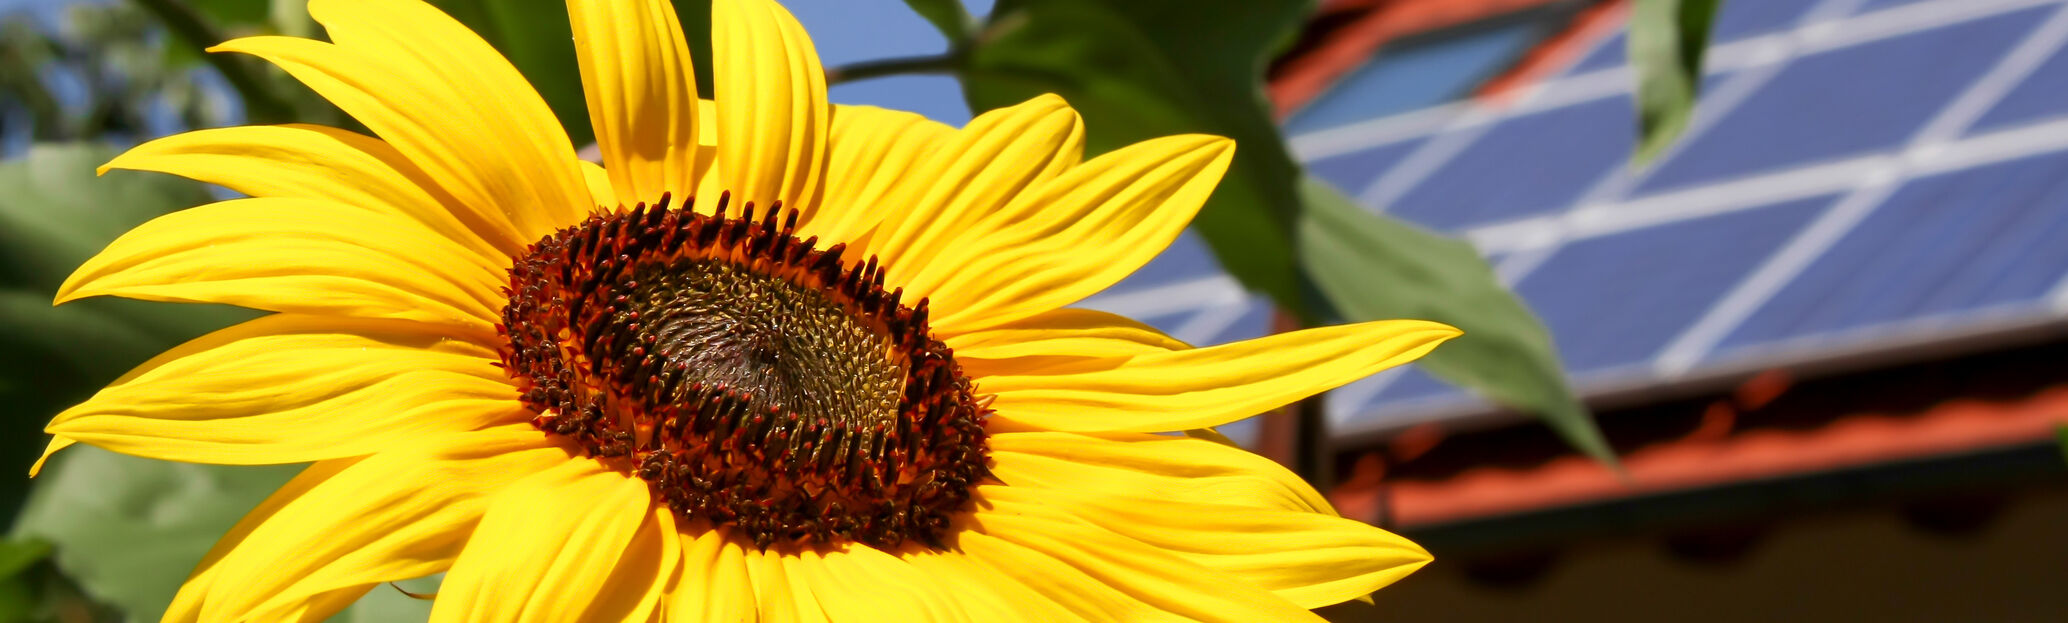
(57,443)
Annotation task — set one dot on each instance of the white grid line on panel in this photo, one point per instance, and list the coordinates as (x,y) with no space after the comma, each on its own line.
(1820,31)
(1213,319)
(1169,298)
(1692,345)
(1620,179)
(1833,177)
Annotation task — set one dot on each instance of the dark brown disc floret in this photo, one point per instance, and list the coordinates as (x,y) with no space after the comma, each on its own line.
(753,380)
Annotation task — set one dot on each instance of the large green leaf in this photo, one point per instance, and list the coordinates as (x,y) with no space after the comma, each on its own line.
(1151,68)
(56,214)
(1374,267)
(126,530)
(1667,38)
(18,557)
(129,530)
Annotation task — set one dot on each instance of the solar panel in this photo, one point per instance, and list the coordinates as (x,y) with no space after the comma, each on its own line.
(1855,168)
(1846,101)
(1544,160)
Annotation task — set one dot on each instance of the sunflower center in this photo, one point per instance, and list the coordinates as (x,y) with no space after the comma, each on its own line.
(754,381)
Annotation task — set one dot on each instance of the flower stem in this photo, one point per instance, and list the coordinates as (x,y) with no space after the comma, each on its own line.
(931,64)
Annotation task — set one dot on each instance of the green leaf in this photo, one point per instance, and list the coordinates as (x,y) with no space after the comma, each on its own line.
(18,586)
(236,14)
(129,530)
(535,36)
(54,216)
(948,16)
(56,212)
(1373,267)
(16,555)
(1151,68)
(1667,38)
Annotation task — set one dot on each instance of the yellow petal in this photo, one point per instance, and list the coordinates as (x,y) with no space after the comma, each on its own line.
(642,94)
(1210,386)
(779,598)
(771,105)
(1000,154)
(325,164)
(193,595)
(1026,572)
(600,189)
(443,98)
(976,586)
(872,153)
(1141,465)
(1074,235)
(712,584)
(549,547)
(860,583)
(1167,586)
(1064,332)
(1247,524)
(298,256)
(57,443)
(399,514)
(289,389)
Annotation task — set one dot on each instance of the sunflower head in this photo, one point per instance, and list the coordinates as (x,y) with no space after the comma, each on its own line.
(774,359)
(754,380)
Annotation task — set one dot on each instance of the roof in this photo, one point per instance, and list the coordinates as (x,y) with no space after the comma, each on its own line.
(1773,428)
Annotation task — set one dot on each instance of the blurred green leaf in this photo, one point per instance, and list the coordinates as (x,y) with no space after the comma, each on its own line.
(16,555)
(1151,68)
(54,216)
(1667,38)
(129,530)
(1373,267)
(18,598)
(537,39)
(946,15)
(235,12)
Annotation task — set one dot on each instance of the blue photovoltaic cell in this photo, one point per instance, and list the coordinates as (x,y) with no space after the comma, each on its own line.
(1876,5)
(1355,170)
(1186,259)
(1526,165)
(1956,241)
(1254,323)
(2043,95)
(1415,384)
(1616,300)
(1846,102)
(1609,53)
(1738,19)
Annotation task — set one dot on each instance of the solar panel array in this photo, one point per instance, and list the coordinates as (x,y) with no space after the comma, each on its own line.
(1860,175)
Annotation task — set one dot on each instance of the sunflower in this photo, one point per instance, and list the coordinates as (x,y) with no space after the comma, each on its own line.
(773,359)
